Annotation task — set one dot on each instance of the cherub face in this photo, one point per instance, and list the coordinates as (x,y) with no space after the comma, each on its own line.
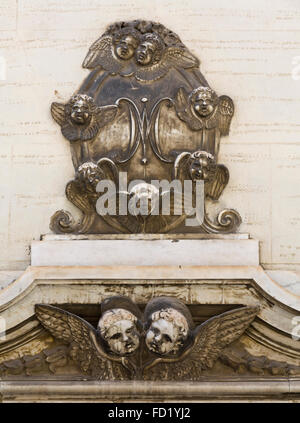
(204,103)
(125,48)
(145,196)
(202,166)
(80,112)
(145,53)
(122,337)
(162,336)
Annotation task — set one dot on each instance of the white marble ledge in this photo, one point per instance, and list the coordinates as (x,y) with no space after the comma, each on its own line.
(71,237)
(145,252)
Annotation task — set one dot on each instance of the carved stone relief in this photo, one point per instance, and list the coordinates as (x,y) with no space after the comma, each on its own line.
(145,109)
(127,345)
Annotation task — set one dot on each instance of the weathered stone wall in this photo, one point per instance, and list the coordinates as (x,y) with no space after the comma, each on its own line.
(248,50)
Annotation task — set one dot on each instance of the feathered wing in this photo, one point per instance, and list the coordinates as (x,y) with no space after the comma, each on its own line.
(105,115)
(217,332)
(210,338)
(71,131)
(226,111)
(58,112)
(77,194)
(183,111)
(82,337)
(101,54)
(173,57)
(102,116)
(215,188)
(181,58)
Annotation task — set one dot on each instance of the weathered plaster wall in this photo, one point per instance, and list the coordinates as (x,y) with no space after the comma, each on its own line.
(248,50)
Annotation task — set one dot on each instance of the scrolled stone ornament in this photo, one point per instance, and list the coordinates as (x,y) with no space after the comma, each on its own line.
(228,220)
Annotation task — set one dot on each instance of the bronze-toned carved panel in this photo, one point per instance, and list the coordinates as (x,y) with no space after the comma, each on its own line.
(144,109)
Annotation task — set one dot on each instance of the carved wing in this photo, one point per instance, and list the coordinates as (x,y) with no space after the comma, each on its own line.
(76,193)
(82,337)
(152,73)
(71,131)
(226,110)
(172,57)
(105,115)
(183,111)
(101,54)
(181,58)
(215,188)
(58,112)
(212,336)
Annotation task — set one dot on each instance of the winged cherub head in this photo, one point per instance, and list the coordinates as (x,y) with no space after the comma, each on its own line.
(118,329)
(150,50)
(167,332)
(203,101)
(119,325)
(125,43)
(80,109)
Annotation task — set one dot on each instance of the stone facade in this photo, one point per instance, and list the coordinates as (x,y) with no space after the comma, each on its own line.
(98,308)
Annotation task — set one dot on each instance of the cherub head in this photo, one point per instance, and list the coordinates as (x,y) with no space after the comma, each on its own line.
(202,166)
(145,197)
(149,52)
(80,109)
(203,101)
(168,324)
(125,43)
(118,328)
(120,325)
(167,332)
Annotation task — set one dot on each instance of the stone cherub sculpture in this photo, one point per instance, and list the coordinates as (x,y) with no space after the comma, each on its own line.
(113,52)
(120,325)
(103,351)
(123,347)
(80,119)
(179,349)
(129,52)
(202,110)
(166,327)
(155,59)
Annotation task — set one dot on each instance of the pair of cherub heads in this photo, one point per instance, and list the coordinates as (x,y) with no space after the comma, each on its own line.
(147,49)
(165,326)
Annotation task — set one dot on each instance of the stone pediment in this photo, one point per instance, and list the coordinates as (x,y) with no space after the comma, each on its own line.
(267,351)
